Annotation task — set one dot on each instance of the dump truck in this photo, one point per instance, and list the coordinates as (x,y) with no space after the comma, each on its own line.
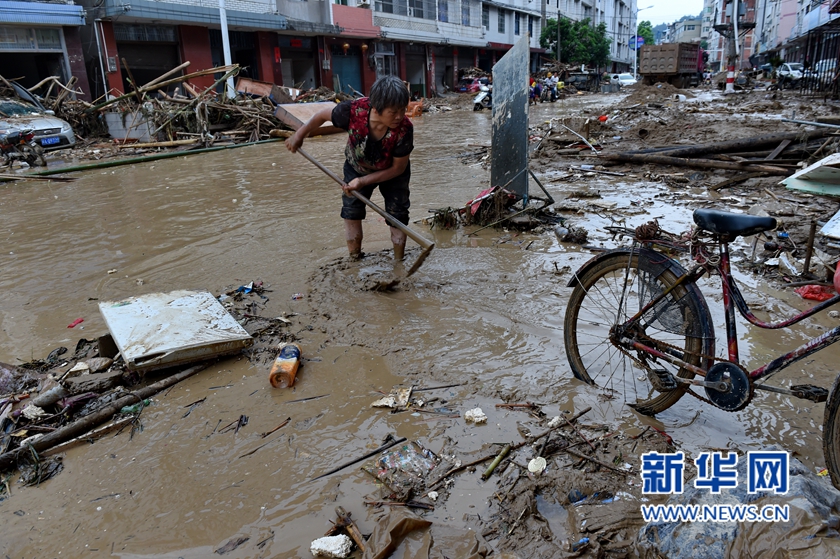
(680,64)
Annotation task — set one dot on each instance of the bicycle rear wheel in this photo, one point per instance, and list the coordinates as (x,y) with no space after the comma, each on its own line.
(831,434)
(608,291)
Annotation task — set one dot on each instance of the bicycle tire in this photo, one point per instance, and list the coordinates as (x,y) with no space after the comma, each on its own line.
(681,320)
(831,434)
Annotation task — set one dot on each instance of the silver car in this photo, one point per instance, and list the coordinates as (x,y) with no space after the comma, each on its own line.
(50,131)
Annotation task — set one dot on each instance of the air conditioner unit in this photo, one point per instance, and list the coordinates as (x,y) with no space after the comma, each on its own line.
(363,5)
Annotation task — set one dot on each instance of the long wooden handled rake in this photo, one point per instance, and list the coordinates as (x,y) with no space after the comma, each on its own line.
(426,245)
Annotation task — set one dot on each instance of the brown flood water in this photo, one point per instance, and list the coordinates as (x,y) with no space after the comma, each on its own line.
(481,311)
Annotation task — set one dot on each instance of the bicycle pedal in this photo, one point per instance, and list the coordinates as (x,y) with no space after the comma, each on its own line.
(662,380)
(810,392)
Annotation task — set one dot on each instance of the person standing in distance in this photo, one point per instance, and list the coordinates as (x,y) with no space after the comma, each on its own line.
(380,141)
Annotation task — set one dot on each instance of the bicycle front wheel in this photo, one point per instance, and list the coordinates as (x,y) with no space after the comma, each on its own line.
(607,292)
(831,434)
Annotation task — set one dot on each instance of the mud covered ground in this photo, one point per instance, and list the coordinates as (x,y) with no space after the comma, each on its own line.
(479,325)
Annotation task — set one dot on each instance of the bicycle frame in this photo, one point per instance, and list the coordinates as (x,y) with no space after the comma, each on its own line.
(732,299)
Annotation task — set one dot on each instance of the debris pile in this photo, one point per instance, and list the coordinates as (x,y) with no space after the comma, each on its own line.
(47,405)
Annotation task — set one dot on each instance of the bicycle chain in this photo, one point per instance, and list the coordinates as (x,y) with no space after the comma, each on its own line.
(688,388)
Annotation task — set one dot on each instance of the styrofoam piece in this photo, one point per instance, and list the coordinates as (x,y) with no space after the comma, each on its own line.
(475,415)
(165,329)
(331,546)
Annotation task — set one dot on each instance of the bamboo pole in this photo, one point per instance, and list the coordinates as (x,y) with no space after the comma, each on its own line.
(163,84)
(145,158)
(166,75)
(168,144)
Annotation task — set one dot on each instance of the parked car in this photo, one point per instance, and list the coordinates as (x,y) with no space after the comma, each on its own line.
(825,70)
(471,85)
(623,79)
(791,71)
(51,132)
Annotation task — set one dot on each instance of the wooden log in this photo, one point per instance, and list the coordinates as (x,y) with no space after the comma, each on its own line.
(696,163)
(91,436)
(745,143)
(77,428)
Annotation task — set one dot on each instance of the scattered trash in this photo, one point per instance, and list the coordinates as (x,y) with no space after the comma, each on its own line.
(816,292)
(135,408)
(75,322)
(232,544)
(33,412)
(284,369)
(297,296)
(575,496)
(580,544)
(475,416)
(834,314)
(537,465)
(398,398)
(404,469)
(331,546)
(433,495)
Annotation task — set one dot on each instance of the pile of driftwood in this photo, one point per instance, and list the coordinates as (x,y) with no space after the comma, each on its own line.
(768,155)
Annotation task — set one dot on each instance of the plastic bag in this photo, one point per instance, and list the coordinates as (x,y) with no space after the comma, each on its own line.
(816,292)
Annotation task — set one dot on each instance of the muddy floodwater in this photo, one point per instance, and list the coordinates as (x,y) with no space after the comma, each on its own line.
(485,311)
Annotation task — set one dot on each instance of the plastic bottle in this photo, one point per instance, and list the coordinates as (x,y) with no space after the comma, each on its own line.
(285,367)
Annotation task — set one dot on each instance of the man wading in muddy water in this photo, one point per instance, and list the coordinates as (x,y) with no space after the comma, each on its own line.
(380,142)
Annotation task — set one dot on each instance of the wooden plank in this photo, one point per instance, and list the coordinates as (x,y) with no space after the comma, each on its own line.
(735,180)
(294,115)
(778,150)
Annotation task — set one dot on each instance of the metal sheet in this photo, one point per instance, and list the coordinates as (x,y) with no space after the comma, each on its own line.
(164,329)
(509,165)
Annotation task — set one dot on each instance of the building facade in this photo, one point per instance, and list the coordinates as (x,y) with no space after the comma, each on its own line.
(42,39)
(619,16)
(341,44)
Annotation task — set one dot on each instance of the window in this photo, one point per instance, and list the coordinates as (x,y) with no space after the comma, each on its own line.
(385,6)
(443,10)
(485,16)
(415,8)
(465,13)
(502,15)
(530,26)
(516,23)
(689,28)
(342,2)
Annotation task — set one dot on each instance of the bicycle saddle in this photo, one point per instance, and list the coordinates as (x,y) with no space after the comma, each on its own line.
(733,225)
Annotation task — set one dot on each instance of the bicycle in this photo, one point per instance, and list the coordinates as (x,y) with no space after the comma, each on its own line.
(637,325)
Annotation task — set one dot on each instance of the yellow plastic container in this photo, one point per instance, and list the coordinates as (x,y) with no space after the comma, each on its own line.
(285,366)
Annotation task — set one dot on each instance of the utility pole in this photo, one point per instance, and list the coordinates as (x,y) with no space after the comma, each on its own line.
(229,89)
(558,36)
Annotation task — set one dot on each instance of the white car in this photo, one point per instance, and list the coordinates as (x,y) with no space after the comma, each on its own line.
(623,79)
(792,70)
(50,131)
